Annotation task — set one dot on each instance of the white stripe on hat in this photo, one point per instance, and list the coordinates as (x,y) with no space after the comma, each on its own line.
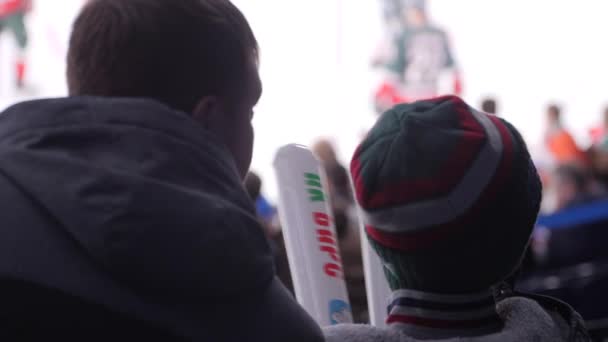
(482,313)
(415,216)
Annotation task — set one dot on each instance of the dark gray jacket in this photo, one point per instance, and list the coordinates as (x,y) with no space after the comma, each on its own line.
(130,208)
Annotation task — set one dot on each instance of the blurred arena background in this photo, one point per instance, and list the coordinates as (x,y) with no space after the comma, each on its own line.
(315,64)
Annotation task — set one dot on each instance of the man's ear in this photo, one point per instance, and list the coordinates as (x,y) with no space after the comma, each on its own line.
(208,111)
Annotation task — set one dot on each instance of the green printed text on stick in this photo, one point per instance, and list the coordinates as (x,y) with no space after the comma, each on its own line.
(315,189)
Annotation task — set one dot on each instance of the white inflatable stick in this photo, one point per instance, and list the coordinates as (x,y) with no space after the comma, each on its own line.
(376,285)
(310,236)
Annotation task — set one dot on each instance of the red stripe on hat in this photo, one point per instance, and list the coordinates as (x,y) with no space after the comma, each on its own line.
(443,323)
(464,154)
(412,241)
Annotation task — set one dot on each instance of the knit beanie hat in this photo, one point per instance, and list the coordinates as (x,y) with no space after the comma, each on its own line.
(449,196)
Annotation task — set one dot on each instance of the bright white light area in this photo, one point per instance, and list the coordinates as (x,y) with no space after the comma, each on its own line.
(315,63)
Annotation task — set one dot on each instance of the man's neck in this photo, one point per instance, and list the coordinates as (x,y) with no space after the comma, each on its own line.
(424,315)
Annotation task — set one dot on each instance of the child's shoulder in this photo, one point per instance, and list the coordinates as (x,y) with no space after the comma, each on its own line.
(363,333)
(524,318)
(545,318)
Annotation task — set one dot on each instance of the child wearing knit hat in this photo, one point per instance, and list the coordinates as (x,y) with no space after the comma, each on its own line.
(449,198)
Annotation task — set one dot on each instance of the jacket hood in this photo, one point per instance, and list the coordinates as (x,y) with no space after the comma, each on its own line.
(147,207)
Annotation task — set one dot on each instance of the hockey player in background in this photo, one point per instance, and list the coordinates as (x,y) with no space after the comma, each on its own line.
(12,18)
(417,60)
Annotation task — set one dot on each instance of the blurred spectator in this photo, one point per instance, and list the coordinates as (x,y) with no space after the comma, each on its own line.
(604,136)
(267,215)
(559,141)
(337,178)
(265,211)
(572,186)
(599,163)
(599,134)
(598,152)
(12,17)
(489,105)
(346,226)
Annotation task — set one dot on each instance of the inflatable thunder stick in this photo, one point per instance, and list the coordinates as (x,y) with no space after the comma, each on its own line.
(376,285)
(310,237)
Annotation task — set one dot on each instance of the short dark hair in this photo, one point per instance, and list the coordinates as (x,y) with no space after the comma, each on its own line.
(488,105)
(175,51)
(554,110)
(253,185)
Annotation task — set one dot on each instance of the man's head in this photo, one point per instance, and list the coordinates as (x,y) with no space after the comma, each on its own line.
(488,105)
(196,56)
(449,196)
(324,150)
(554,113)
(253,185)
(414,12)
